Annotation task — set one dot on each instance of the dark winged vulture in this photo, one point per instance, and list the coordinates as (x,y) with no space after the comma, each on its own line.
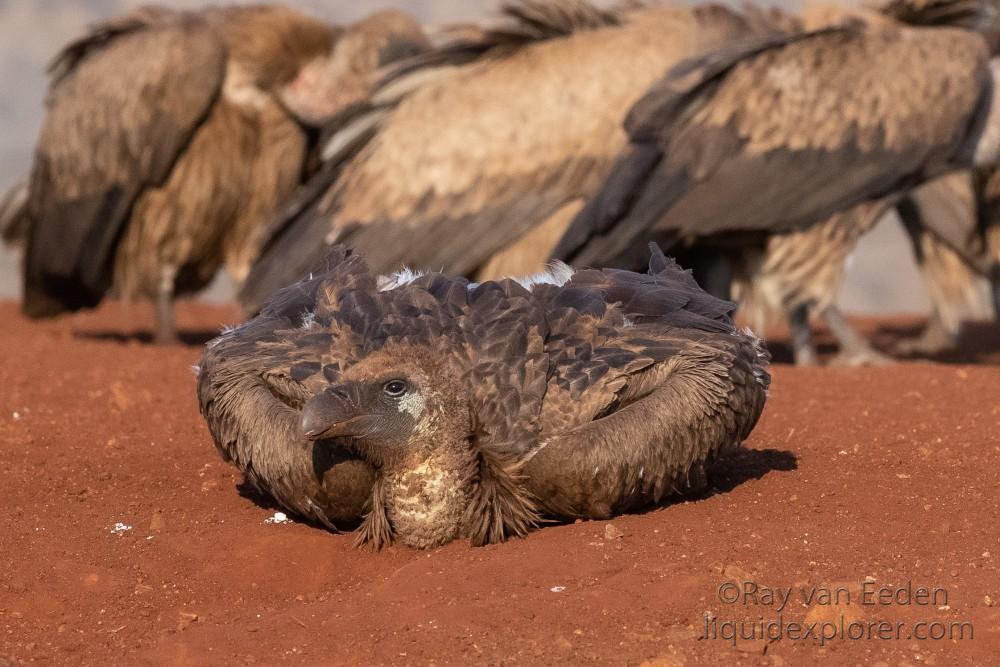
(437,409)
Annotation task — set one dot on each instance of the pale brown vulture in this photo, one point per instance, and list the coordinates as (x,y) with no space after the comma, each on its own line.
(171,136)
(774,136)
(438,408)
(479,143)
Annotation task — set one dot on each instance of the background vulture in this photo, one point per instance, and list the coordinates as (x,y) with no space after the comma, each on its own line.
(440,408)
(777,134)
(169,139)
(477,144)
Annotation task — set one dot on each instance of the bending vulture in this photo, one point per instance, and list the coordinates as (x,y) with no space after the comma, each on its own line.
(470,158)
(435,408)
(170,138)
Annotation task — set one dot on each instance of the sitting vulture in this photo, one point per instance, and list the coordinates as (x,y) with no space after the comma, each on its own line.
(171,136)
(471,157)
(437,408)
(761,141)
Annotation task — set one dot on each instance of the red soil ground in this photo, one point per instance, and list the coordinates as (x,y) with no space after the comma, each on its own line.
(886,475)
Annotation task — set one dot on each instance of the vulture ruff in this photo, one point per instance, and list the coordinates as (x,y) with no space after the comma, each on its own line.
(429,408)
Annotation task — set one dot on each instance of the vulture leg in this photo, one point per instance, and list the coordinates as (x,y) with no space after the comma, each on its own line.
(854,349)
(166,326)
(956,290)
(802,346)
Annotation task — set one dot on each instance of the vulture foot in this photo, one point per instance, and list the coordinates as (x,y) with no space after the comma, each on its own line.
(855,350)
(862,357)
(934,340)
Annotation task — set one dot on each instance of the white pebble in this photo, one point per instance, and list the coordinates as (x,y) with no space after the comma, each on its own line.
(557,589)
(279,517)
(120,528)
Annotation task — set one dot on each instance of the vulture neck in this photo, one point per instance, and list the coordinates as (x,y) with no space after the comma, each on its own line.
(427,491)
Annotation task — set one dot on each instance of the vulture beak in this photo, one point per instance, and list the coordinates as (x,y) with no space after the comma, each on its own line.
(330,414)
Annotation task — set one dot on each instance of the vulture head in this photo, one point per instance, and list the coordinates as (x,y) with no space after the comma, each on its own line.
(472,410)
(390,405)
(315,70)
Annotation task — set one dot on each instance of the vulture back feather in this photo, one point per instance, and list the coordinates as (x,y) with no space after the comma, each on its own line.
(563,394)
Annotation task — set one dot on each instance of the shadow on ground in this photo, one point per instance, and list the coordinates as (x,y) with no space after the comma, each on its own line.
(190,338)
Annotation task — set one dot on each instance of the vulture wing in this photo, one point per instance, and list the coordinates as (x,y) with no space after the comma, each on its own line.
(782,133)
(124,102)
(644,394)
(254,379)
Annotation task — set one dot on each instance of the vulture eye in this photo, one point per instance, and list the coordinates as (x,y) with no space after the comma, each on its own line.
(394,388)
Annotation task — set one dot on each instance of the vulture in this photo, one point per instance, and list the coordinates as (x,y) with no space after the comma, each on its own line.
(171,136)
(954,226)
(473,157)
(795,144)
(425,408)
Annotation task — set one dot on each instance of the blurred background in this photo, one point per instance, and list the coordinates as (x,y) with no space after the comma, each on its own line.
(31,31)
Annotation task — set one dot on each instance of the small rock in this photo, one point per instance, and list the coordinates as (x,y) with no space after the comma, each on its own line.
(187,618)
(156,522)
(988,601)
(611,532)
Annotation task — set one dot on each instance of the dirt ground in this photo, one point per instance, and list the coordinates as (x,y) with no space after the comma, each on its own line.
(125,539)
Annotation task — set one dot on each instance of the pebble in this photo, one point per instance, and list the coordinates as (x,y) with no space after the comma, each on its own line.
(611,532)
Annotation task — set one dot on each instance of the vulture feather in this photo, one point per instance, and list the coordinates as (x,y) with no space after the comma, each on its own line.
(430,408)
(169,139)
(767,139)
(465,151)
